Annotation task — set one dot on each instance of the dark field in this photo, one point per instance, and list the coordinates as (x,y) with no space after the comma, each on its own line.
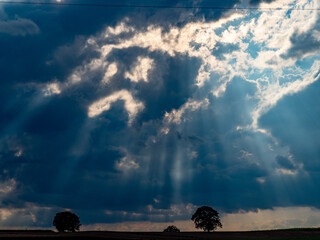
(298,234)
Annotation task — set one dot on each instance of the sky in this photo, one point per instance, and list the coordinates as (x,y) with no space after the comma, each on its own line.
(133,117)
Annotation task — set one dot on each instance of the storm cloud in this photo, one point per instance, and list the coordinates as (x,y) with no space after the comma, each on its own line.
(144,114)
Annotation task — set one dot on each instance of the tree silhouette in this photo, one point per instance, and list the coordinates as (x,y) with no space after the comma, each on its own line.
(66,221)
(206,218)
(171,228)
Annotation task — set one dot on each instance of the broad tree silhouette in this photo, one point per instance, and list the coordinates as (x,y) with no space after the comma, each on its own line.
(171,228)
(206,218)
(66,221)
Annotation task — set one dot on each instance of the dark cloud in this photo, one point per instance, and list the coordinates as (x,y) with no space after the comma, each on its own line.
(284,163)
(303,43)
(222,49)
(293,122)
(257,2)
(235,105)
(18,27)
(108,170)
(87,181)
(168,17)
(170,85)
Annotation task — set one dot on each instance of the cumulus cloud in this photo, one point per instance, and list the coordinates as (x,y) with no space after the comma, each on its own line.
(201,108)
(140,72)
(131,105)
(111,71)
(51,89)
(127,162)
(273,30)
(273,92)
(176,116)
(302,44)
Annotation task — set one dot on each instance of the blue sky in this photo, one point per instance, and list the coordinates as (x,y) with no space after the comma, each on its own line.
(134,117)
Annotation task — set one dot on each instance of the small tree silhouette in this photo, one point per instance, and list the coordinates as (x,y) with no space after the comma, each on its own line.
(206,218)
(171,228)
(66,221)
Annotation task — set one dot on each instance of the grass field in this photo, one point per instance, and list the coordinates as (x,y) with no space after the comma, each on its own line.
(282,234)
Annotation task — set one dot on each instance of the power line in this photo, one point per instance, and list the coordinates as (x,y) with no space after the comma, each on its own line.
(157,6)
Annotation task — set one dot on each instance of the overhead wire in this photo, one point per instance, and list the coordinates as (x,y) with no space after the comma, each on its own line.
(156,6)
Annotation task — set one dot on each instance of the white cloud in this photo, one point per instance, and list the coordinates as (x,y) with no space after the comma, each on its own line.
(140,72)
(261,38)
(75,77)
(132,106)
(80,72)
(261,180)
(111,71)
(126,163)
(18,153)
(273,92)
(282,171)
(119,29)
(51,89)
(175,41)
(176,116)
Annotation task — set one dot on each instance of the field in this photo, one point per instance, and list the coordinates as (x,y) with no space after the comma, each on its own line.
(295,234)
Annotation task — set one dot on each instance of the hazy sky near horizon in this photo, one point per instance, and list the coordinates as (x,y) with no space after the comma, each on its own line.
(134,117)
